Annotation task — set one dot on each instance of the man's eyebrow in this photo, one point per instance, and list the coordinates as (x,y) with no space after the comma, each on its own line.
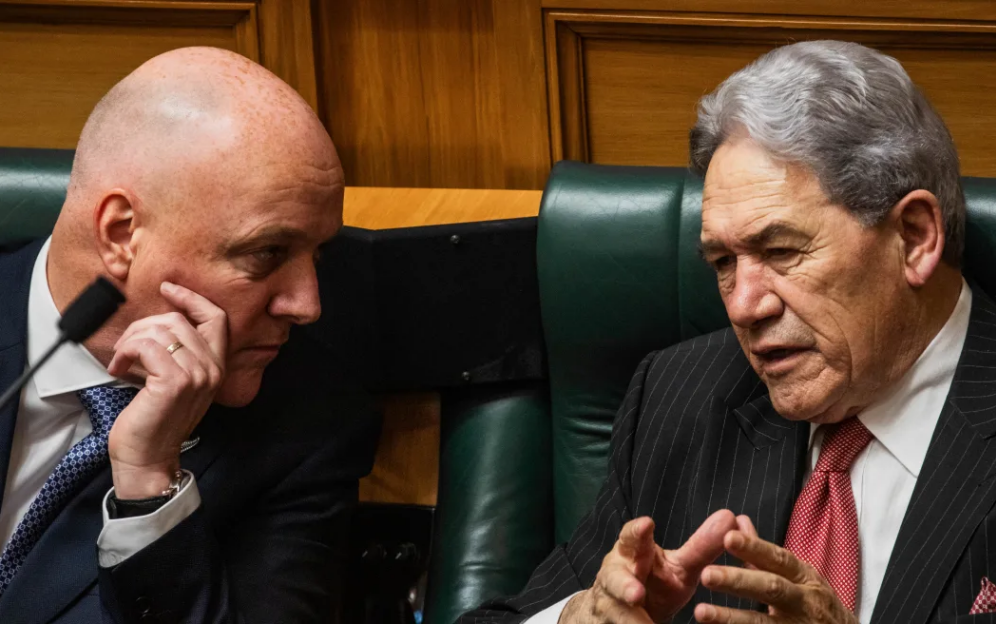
(773,231)
(275,234)
(757,239)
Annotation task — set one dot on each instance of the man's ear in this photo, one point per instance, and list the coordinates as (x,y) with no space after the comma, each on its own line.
(921,226)
(114,223)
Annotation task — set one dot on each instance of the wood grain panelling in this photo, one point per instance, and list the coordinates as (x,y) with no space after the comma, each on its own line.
(287,44)
(384,208)
(435,93)
(932,9)
(58,57)
(624,87)
(406,469)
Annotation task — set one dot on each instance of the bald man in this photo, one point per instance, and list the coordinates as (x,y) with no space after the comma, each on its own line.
(143,477)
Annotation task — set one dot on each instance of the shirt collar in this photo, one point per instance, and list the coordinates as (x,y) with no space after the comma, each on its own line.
(72,367)
(903,421)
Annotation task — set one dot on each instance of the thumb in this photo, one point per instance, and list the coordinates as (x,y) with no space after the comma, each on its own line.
(636,543)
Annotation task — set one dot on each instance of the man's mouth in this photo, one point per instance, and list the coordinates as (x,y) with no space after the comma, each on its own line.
(779,360)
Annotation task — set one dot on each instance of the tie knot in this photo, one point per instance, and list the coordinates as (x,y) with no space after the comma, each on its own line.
(842,443)
(103,404)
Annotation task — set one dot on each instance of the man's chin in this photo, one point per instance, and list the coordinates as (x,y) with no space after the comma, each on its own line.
(239,388)
(796,403)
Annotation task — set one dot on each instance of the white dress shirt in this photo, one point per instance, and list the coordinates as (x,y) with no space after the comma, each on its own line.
(51,420)
(884,474)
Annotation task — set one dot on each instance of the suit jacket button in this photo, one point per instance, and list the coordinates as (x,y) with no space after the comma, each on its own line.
(143,605)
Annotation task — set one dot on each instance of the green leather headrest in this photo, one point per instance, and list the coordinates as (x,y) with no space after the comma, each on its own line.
(32,188)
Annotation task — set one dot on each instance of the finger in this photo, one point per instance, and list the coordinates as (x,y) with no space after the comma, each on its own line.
(764,587)
(174,322)
(706,544)
(746,526)
(210,320)
(636,538)
(766,556)
(620,584)
(712,614)
(193,356)
(147,352)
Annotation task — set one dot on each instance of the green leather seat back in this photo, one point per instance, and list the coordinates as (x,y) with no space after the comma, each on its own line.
(32,188)
(608,276)
(620,276)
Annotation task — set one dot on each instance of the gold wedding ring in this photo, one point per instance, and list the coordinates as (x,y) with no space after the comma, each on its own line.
(173,348)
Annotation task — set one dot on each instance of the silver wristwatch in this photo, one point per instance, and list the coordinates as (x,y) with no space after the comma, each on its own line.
(174,485)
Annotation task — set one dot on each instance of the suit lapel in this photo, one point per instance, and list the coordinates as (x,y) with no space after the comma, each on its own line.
(42,588)
(774,461)
(955,489)
(15,281)
(757,470)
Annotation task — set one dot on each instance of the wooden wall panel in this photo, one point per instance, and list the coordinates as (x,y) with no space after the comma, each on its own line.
(435,93)
(624,86)
(58,57)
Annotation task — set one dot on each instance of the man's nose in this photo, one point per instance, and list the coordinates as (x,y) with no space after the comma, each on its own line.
(751,300)
(297,298)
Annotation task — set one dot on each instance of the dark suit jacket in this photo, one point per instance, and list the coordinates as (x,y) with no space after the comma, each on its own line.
(697,433)
(277,480)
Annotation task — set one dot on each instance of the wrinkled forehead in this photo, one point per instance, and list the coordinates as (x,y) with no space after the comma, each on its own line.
(746,192)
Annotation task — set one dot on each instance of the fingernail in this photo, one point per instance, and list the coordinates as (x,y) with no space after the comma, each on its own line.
(708,576)
(169,287)
(709,612)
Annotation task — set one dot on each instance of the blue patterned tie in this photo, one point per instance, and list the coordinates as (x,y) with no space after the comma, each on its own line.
(80,464)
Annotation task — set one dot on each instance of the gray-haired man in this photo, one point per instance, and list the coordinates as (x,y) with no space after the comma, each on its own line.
(845,416)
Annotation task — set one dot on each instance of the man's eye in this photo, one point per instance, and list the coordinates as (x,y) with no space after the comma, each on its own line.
(265,260)
(723,263)
(779,253)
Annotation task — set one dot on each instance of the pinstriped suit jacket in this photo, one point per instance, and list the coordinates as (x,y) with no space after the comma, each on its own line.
(697,433)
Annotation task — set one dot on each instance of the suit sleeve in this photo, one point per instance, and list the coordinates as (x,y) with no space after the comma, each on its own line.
(572,567)
(281,562)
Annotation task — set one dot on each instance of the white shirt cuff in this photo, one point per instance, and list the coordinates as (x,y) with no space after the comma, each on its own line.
(123,537)
(550,615)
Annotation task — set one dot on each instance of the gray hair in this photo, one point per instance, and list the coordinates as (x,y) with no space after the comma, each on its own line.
(851,115)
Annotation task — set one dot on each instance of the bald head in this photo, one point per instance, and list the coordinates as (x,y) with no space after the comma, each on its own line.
(204,169)
(189,114)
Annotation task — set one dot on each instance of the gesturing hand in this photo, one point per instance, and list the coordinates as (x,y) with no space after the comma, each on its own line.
(640,582)
(793,590)
(144,444)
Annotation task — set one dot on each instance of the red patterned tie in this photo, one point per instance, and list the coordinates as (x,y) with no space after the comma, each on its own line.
(823,530)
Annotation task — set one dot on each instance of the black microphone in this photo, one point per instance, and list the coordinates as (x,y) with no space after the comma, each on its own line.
(82,318)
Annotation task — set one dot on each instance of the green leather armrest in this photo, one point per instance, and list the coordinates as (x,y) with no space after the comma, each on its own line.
(494,517)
